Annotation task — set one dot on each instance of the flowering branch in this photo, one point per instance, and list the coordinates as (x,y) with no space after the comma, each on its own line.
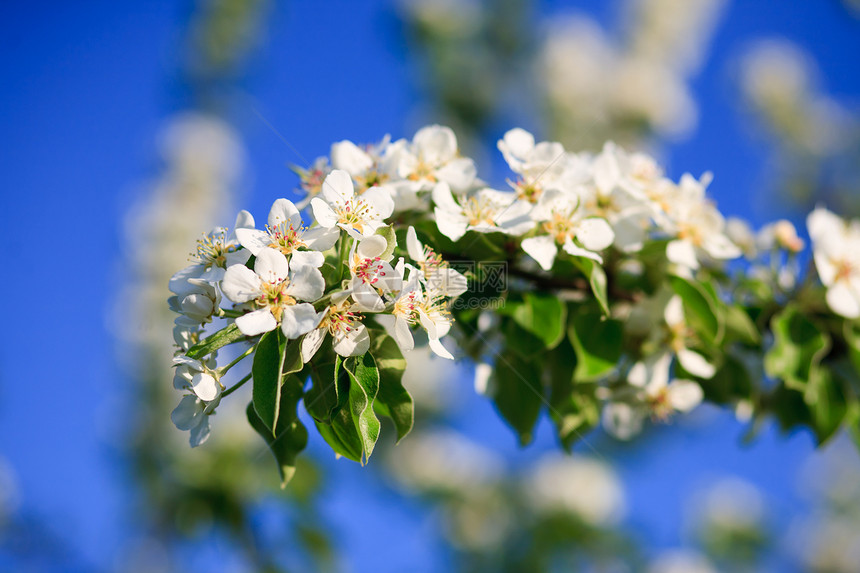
(616,302)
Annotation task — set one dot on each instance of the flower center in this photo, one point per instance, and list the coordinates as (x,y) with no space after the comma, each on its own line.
(312,181)
(275,297)
(372,178)
(528,190)
(479,211)
(432,262)
(285,238)
(212,250)
(406,307)
(422,171)
(339,321)
(354,213)
(367,269)
(560,226)
(844,270)
(660,405)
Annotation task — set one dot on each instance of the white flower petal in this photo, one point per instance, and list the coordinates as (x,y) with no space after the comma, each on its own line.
(298,320)
(312,259)
(413,245)
(695,364)
(621,420)
(271,266)
(283,210)
(244,220)
(843,301)
(313,340)
(256,322)
(435,144)
(542,249)
(353,343)
(682,253)
(348,156)
(338,187)
(443,198)
(200,433)
(572,249)
(254,240)
(437,347)
(380,200)
(371,246)
(684,395)
(187,414)
(241,284)
(323,213)
(595,234)
(307,283)
(321,238)
(205,386)
(451,225)
(673,314)
(402,334)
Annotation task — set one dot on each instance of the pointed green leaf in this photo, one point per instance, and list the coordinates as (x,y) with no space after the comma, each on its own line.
(327,394)
(341,435)
(227,335)
(274,357)
(702,310)
(543,315)
(797,351)
(392,400)
(290,436)
(363,387)
(740,327)
(597,341)
(596,279)
(517,393)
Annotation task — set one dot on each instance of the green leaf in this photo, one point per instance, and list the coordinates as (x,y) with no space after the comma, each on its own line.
(387,233)
(543,315)
(701,308)
(341,435)
(392,399)
(828,408)
(597,341)
(517,393)
(730,383)
(290,436)
(797,351)
(596,279)
(518,339)
(740,327)
(274,357)
(327,394)
(852,338)
(363,387)
(227,335)
(573,406)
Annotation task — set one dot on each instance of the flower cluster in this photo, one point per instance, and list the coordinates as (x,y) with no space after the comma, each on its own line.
(603,250)
(335,276)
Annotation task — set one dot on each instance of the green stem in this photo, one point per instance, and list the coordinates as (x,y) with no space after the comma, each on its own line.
(235,386)
(237,360)
(230,313)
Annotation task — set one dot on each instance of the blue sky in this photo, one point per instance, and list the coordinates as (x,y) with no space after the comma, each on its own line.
(86,86)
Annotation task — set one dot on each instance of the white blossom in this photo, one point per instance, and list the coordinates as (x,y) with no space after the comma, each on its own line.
(276,286)
(357,214)
(484,211)
(836,250)
(286,232)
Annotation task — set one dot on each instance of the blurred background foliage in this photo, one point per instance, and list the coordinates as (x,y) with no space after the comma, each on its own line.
(477,65)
